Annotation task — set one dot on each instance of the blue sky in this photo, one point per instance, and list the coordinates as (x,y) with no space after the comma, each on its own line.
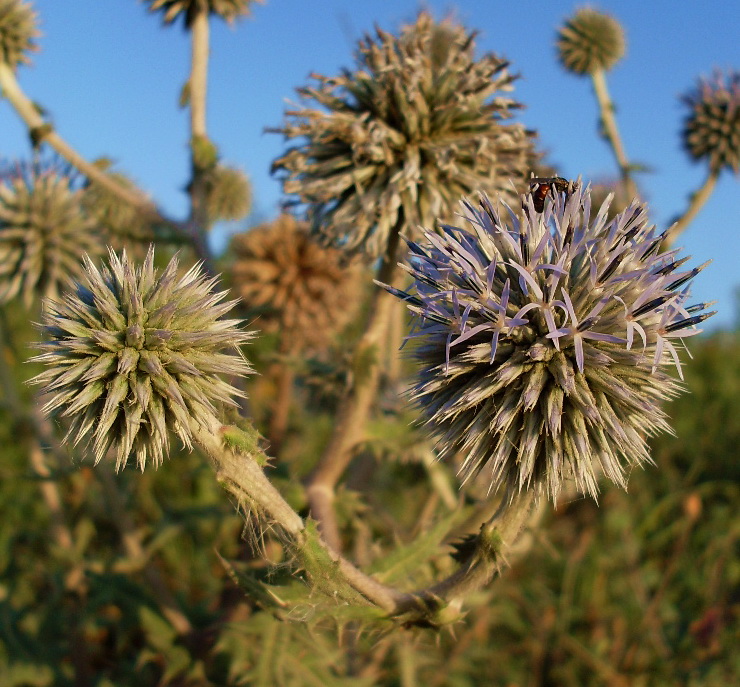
(110,77)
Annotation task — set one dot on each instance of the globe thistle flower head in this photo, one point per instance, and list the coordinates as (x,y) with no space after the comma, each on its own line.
(18,32)
(303,289)
(228,10)
(712,128)
(43,230)
(545,338)
(590,41)
(229,194)
(132,354)
(396,142)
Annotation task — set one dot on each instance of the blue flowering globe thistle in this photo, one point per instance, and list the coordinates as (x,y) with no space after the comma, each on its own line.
(545,339)
(132,355)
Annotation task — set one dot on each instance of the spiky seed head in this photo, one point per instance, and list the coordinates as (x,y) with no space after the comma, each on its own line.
(545,338)
(229,194)
(303,289)
(228,10)
(43,231)
(712,128)
(396,142)
(18,32)
(133,355)
(590,41)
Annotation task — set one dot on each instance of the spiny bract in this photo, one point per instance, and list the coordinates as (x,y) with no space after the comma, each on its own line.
(17,32)
(544,338)
(590,41)
(133,354)
(397,142)
(712,127)
(43,231)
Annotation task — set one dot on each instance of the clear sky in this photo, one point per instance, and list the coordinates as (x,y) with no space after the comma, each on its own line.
(110,77)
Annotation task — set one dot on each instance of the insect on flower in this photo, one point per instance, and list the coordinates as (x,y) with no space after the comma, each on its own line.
(541,186)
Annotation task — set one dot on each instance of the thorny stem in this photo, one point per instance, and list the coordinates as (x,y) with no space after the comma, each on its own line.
(239,471)
(696,202)
(356,403)
(29,114)
(606,111)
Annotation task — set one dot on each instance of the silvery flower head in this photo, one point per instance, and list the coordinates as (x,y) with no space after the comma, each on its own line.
(545,338)
(133,354)
(395,143)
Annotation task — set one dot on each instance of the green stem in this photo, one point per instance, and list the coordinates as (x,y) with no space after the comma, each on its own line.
(356,403)
(696,202)
(239,472)
(606,111)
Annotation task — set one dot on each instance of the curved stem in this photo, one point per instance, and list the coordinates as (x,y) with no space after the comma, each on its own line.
(606,111)
(356,403)
(239,471)
(696,202)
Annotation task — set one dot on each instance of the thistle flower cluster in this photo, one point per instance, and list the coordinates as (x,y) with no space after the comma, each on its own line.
(397,142)
(712,127)
(132,355)
(228,10)
(545,338)
(43,230)
(590,41)
(17,32)
(304,290)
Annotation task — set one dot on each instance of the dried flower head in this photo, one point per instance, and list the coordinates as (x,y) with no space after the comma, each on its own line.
(43,231)
(229,194)
(133,354)
(712,127)
(305,290)
(17,32)
(228,10)
(545,338)
(396,143)
(590,41)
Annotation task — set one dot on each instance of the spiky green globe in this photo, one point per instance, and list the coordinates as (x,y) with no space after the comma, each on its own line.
(590,41)
(43,232)
(18,32)
(544,338)
(133,355)
(228,10)
(228,194)
(395,143)
(712,128)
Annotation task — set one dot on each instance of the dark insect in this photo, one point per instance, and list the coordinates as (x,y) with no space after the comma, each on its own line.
(541,186)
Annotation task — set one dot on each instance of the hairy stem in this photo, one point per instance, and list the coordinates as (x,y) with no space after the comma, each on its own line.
(356,403)
(238,469)
(696,202)
(609,122)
